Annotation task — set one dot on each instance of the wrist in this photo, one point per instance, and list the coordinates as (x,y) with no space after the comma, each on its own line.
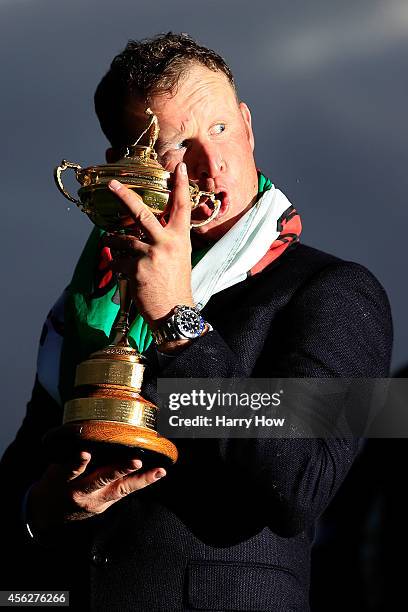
(35,520)
(166,311)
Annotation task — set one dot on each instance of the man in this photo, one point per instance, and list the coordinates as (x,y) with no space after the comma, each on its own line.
(230,527)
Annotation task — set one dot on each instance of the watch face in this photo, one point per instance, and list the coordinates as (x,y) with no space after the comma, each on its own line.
(189,323)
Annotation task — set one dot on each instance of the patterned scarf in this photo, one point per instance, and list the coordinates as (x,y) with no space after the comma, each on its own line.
(81,321)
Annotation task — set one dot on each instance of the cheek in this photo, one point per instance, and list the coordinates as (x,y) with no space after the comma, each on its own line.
(240,146)
(238,154)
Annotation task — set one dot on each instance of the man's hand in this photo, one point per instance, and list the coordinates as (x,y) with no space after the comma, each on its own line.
(66,493)
(159,270)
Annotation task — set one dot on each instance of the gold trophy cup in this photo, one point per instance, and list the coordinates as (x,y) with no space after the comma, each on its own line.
(107,412)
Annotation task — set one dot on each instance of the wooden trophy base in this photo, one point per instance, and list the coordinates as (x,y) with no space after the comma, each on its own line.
(110,442)
(107,416)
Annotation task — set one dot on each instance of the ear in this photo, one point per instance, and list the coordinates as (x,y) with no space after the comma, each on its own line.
(111,155)
(246,115)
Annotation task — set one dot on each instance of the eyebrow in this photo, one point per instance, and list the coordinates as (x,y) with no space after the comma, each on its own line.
(169,141)
(177,136)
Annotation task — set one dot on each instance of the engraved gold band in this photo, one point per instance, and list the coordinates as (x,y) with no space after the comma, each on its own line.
(132,412)
(109,372)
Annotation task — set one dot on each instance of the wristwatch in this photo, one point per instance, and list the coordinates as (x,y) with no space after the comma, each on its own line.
(185,322)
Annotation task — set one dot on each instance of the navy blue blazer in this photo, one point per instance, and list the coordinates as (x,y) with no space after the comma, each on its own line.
(231,525)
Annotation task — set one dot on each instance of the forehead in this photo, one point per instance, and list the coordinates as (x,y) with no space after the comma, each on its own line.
(197,88)
(201,95)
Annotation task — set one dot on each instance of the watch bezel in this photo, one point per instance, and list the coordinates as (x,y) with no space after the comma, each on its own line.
(178,312)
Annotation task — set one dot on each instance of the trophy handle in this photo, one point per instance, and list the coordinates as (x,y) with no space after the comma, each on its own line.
(65,164)
(217,206)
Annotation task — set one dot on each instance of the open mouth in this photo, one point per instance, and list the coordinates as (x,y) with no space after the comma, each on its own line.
(205,208)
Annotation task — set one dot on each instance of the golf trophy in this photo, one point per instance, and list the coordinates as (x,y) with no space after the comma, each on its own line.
(107,410)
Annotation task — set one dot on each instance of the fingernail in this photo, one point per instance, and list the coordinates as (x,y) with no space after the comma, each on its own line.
(114,185)
(159,474)
(183,168)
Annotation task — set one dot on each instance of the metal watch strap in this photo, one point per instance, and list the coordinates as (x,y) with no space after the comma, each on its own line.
(167,332)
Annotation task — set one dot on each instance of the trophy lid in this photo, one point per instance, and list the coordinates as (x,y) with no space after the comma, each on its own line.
(139,170)
(138,167)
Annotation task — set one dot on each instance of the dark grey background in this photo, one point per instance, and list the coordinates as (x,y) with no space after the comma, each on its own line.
(327,85)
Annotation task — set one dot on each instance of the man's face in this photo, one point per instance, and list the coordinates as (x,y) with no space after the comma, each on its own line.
(204,126)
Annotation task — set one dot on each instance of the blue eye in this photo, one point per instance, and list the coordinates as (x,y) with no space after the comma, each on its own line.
(219,128)
(181,145)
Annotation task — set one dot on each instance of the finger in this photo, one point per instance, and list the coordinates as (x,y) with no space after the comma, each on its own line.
(125,243)
(103,477)
(139,211)
(180,214)
(71,469)
(134,482)
(80,466)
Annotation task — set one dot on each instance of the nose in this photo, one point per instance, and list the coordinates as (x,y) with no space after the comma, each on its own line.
(204,160)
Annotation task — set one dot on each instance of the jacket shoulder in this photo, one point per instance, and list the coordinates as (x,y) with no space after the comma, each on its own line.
(304,256)
(329,269)
(316,266)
